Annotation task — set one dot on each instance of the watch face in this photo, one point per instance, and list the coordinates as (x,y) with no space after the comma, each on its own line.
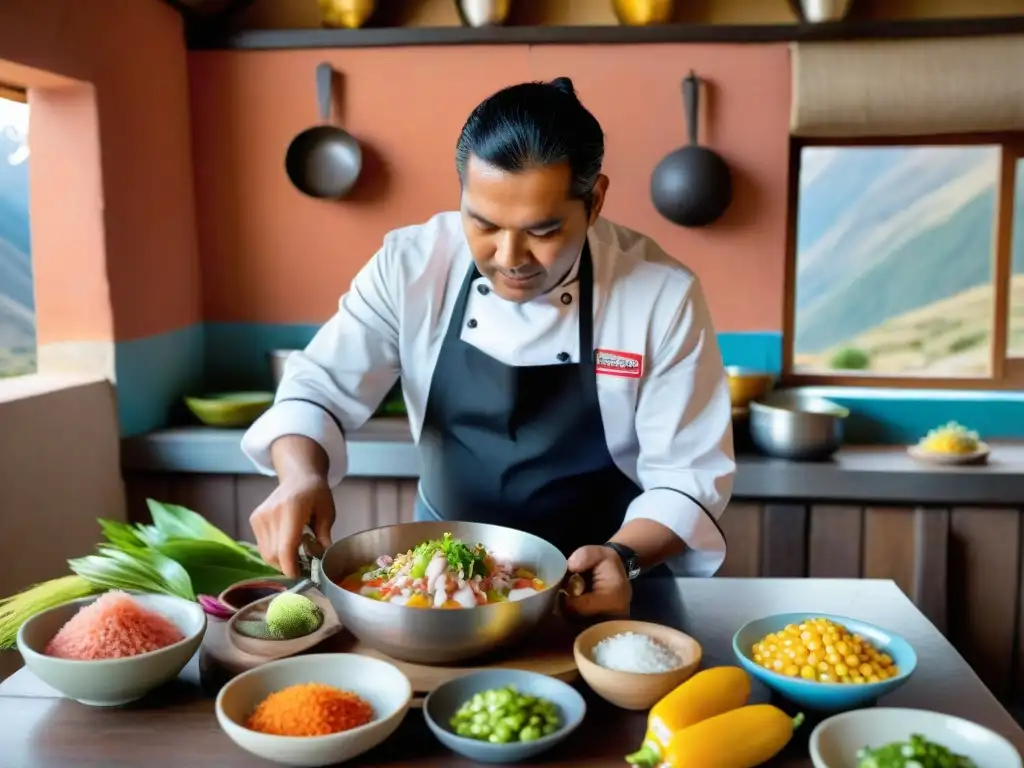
(630,560)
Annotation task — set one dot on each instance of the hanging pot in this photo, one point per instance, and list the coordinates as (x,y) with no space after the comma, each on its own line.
(324,161)
(347,14)
(639,13)
(483,13)
(692,186)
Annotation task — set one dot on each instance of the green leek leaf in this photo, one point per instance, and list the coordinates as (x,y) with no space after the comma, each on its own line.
(19,608)
(213,567)
(170,572)
(173,522)
(120,534)
(213,579)
(177,522)
(189,552)
(141,570)
(149,535)
(108,573)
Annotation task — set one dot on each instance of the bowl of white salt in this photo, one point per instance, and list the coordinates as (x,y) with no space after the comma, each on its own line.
(633,664)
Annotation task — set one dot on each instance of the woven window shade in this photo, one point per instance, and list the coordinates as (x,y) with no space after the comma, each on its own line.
(908,88)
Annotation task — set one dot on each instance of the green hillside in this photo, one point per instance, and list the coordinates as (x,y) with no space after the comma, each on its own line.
(944,261)
(947,338)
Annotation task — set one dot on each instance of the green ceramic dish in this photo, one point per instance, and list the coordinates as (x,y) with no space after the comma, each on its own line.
(230,409)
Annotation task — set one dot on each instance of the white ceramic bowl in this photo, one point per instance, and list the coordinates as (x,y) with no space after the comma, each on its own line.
(834,743)
(378,682)
(111,682)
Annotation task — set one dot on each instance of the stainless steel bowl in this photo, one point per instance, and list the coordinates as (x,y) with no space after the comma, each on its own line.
(794,425)
(432,636)
(277,358)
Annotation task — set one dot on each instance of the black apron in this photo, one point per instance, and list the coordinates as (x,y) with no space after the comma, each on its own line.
(522,447)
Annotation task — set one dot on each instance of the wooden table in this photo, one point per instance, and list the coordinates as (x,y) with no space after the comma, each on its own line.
(176,727)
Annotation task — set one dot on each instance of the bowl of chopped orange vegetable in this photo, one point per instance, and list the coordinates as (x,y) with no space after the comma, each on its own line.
(824,662)
(314,710)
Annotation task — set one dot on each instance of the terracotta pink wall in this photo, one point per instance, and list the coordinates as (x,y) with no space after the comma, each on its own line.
(113,215)
(271,255)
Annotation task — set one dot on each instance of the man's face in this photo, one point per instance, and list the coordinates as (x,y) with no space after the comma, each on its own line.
(523,229)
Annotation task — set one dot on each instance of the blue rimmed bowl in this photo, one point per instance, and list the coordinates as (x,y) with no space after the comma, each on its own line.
(818,696)
(445,700)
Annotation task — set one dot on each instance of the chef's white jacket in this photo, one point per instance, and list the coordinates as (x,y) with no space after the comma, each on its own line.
(669,430)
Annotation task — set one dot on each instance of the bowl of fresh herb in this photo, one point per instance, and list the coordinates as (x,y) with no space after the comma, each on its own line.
(889,737)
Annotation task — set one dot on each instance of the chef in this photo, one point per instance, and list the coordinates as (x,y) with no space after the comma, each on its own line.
(560,372)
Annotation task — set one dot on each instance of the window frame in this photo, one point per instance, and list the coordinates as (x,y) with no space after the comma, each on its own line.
(16,93)
(13,92)
(1007,372)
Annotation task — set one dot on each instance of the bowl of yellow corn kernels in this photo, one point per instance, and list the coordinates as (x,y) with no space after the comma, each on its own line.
(823,662)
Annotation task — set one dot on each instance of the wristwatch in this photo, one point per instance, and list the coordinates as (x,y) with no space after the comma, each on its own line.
(630,559)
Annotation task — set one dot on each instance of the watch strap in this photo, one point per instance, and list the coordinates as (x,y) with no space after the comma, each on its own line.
(630,559)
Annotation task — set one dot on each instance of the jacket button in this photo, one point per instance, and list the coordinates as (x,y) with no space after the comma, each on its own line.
(563,356)
(483,290)
(567,298)
(471,324)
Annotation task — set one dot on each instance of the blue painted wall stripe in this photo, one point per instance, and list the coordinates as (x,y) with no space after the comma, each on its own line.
(236,353)
(757,350)
(154,374)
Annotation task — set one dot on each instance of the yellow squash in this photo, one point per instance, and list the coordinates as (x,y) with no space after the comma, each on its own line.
(742,738)
(709,693)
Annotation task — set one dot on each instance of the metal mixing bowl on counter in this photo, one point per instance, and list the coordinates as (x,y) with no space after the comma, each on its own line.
(797,425)
(431,635)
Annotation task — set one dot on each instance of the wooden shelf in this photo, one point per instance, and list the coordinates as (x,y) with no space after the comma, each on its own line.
(277,39)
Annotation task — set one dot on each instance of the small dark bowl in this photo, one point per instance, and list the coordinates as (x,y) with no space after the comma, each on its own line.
(247,592)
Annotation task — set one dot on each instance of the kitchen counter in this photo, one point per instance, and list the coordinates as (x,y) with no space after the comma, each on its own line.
(176,726)
(383,448)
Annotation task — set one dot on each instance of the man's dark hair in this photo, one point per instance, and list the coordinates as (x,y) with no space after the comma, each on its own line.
(535,125)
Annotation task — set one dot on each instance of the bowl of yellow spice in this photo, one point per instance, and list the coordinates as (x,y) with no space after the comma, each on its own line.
(823,662)
(952,443)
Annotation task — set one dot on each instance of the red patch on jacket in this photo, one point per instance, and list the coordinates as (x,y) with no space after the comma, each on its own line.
(613,363)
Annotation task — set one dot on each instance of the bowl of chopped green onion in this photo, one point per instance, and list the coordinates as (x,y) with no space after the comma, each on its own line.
(503,715)
(889,737)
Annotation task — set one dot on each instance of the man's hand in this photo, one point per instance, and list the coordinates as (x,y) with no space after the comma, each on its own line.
(279,521)
(610,591)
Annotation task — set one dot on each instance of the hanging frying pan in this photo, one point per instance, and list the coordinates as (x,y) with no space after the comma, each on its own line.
(324,161)
(692,186)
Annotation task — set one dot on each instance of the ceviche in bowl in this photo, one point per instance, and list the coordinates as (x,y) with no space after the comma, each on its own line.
(444,573)
(439,592)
